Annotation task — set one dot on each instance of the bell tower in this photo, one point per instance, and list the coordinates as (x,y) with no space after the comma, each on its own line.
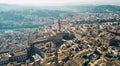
(59,25)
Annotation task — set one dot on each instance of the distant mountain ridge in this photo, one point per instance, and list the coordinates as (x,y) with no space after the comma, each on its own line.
(79,8)
(96,8)
(107,8)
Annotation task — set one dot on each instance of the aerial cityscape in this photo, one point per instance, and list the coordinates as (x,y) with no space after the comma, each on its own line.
(59,33)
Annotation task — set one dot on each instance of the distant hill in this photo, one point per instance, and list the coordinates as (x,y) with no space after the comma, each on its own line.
(106,8)
(96,8)
(77,8)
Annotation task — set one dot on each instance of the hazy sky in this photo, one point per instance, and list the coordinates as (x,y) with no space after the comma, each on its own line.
(59,2)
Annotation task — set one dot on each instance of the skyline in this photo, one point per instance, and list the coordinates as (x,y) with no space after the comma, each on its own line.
(59,2)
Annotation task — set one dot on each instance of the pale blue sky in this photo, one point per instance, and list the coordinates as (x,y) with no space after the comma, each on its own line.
(59,2)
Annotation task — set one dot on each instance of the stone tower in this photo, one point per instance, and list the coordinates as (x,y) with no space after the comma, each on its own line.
(59,26)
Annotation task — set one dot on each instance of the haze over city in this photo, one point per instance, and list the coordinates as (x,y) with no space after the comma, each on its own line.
(60,2)
(59,33)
